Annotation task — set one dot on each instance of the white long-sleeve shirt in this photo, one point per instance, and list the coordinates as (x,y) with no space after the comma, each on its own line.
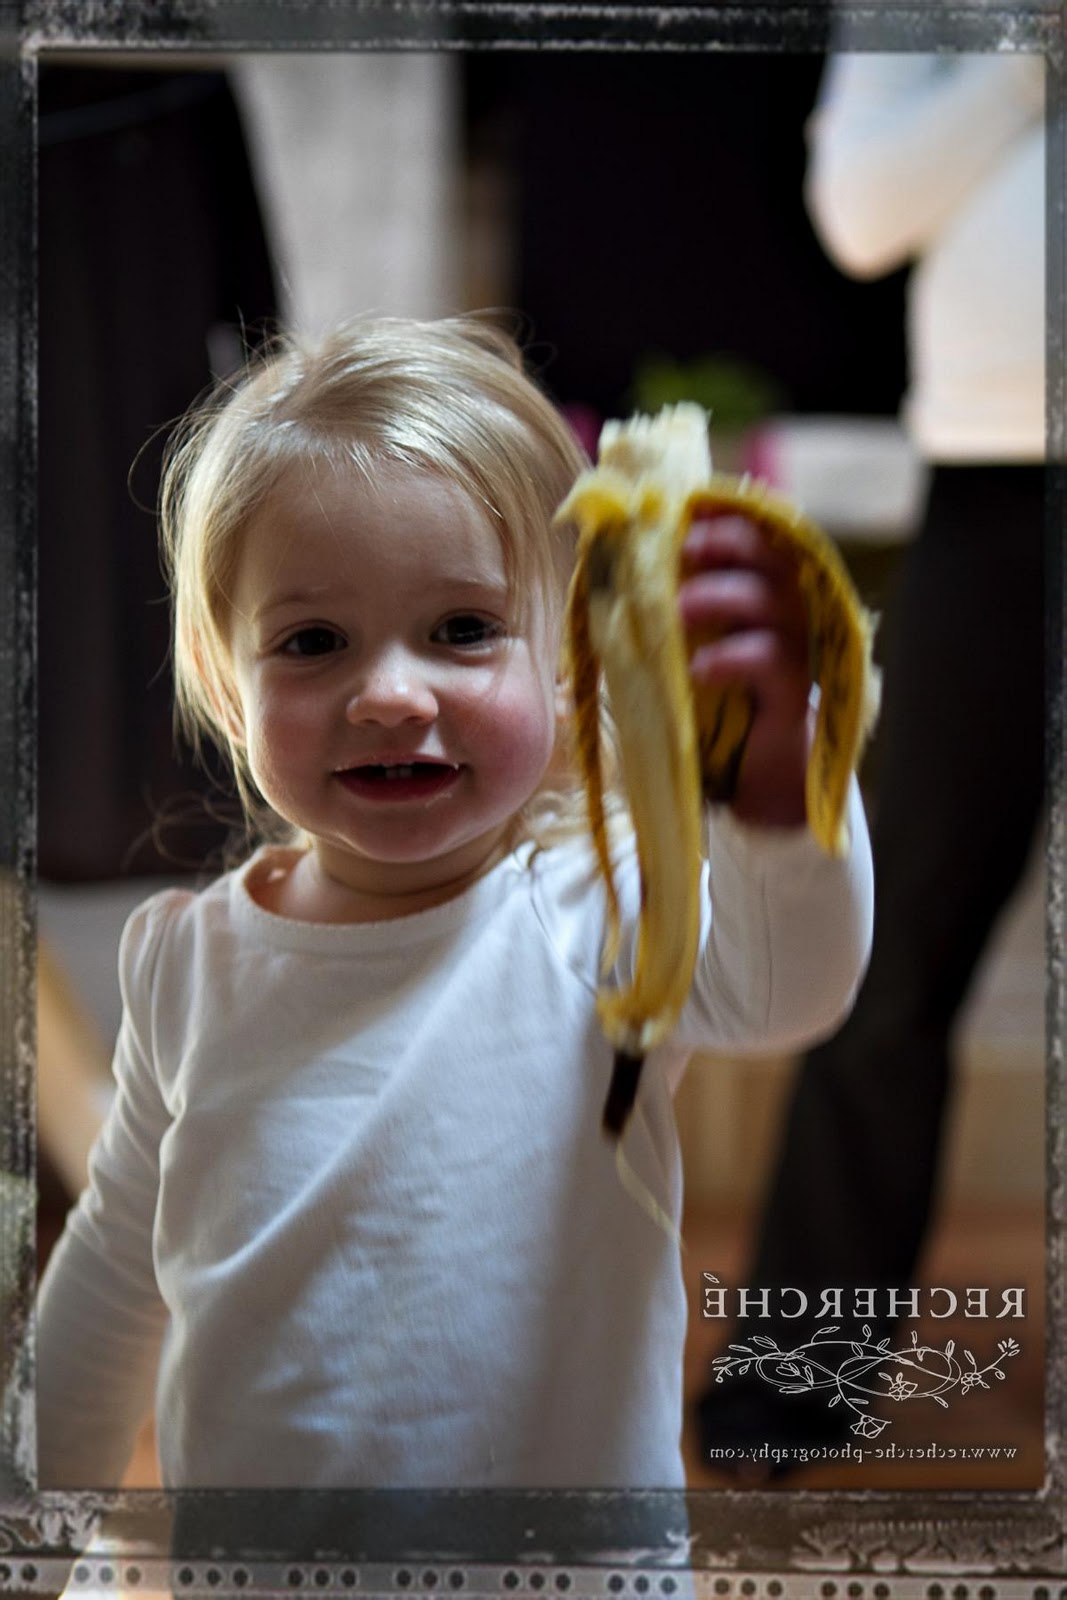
(940,159)
(352,1220)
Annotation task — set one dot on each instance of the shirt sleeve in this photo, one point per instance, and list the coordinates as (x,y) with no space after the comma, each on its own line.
(786,940)
(100,1318)
(899,141)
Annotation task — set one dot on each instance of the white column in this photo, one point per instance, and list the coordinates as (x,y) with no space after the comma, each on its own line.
(356,161)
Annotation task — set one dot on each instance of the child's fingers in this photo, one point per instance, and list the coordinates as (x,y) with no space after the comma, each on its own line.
(744,591)
(738,597)
(728,600)
(751,653)
(728,540)
(734,544)
(764,659)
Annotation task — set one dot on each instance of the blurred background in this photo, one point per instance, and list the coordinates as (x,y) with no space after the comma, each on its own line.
(644,218)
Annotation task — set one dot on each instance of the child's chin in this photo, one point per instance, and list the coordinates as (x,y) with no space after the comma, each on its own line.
(461,853)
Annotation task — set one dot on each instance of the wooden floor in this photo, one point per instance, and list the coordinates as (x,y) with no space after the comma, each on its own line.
(966,1251)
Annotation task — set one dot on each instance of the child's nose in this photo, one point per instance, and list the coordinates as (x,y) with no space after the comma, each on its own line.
(392,689)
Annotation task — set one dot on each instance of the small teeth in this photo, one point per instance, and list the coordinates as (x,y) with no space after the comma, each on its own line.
(402,770)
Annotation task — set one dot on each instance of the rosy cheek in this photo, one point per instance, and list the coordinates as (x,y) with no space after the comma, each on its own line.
(276,737)
(518,727)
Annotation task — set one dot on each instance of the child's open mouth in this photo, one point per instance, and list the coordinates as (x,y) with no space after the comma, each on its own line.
(400,781)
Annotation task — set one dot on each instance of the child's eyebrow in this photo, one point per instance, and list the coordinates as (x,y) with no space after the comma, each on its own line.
(453,586)
(464,583)
(290,598)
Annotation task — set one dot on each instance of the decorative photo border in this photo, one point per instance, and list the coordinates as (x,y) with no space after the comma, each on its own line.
(864,1545)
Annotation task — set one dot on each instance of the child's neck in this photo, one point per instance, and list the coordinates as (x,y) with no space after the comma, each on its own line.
(302,887)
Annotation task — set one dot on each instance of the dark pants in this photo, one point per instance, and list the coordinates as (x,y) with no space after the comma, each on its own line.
(959,794)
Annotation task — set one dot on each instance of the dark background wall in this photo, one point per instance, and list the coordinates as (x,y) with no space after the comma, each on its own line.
(659,206)
(150,247)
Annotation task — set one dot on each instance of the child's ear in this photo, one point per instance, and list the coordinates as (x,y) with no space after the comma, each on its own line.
(230,717)
(222,698)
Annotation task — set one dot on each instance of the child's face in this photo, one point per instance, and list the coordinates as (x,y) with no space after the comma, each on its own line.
(394,707)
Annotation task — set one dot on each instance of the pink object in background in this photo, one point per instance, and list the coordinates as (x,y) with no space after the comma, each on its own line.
(759,457)
(586,424)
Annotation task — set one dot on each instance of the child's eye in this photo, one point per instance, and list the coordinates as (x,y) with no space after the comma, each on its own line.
(467,630)
(312,642)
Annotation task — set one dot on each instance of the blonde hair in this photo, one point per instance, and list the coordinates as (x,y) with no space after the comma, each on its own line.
(449,396)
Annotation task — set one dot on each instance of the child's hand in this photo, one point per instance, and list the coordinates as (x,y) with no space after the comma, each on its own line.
(735,580)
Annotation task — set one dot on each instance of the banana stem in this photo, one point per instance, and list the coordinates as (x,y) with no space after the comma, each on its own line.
(625,1076)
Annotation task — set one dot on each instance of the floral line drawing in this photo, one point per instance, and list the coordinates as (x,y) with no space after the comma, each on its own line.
(857,1371)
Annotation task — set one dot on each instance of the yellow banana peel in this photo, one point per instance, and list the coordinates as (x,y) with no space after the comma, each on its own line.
(678,745)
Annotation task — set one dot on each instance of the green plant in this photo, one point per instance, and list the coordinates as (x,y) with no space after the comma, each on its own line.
(736,392)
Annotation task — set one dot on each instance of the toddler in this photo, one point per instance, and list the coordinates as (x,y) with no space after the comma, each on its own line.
(352,1221)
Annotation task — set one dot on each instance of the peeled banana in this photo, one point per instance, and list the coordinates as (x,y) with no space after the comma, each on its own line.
(679,745)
